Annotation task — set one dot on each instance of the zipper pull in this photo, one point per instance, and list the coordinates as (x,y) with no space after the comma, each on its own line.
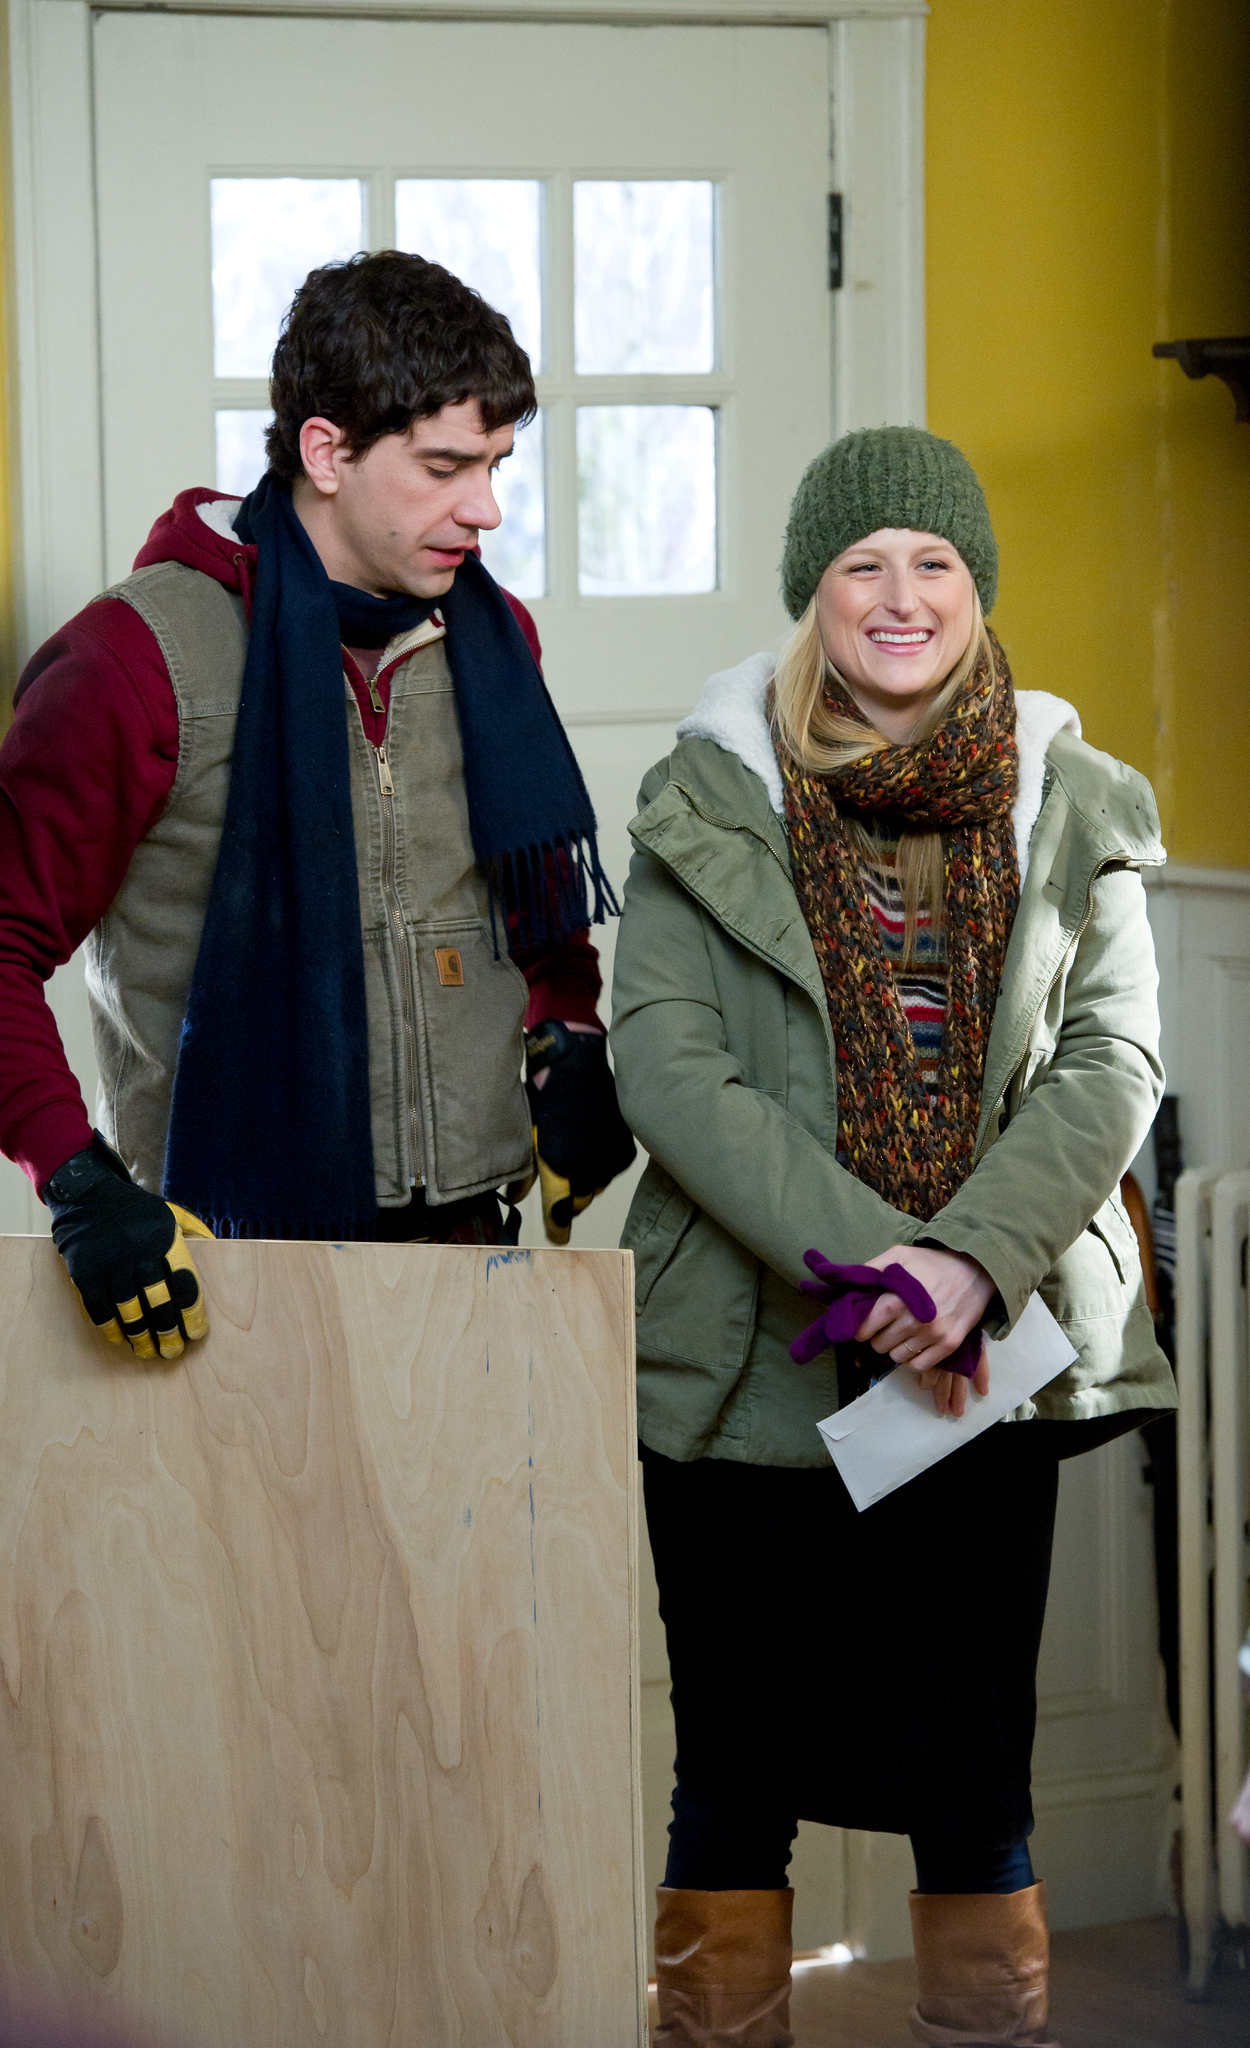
(375,697)
(385,783)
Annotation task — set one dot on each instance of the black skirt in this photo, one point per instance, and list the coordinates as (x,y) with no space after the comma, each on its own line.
(873,1670)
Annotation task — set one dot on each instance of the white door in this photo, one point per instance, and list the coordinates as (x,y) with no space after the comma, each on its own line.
(648,204)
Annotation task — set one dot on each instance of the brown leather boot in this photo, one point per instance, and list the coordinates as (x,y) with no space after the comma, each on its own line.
(722,1969)
(982,1961)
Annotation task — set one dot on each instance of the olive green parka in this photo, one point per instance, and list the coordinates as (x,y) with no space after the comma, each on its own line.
(725,1070)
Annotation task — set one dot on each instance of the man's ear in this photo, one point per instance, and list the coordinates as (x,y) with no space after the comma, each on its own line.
(320,446)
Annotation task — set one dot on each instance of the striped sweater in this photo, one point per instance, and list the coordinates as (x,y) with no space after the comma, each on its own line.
(922,982)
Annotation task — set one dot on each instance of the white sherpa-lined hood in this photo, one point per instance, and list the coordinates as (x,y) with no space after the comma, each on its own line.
(731,714)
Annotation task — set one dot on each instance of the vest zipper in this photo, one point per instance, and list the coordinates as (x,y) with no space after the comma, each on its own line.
(395,918)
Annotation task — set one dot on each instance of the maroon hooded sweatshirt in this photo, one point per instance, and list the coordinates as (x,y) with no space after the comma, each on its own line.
(85,771)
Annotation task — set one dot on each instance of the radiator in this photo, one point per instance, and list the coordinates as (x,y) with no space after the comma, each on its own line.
(1213,1477)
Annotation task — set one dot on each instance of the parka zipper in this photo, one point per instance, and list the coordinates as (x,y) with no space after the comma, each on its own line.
(395,919)
(994,1124)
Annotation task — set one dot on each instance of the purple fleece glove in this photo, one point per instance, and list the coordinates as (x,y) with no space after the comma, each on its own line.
(848,1292)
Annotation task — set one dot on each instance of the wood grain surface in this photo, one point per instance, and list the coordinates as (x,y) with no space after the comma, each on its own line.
(318,1720)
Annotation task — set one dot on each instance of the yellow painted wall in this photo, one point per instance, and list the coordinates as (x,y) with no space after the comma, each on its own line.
(1088,193)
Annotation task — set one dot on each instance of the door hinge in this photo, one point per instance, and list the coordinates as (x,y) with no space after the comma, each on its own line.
(835,241)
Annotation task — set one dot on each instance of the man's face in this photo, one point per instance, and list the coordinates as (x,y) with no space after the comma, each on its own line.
(400,518)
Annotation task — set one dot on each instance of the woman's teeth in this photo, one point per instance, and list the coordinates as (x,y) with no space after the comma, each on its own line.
(899,639)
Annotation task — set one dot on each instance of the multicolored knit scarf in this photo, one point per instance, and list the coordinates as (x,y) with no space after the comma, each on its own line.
(916,1151)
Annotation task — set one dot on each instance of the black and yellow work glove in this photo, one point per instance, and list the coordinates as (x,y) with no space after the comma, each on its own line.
(581,1138)
(126,1254)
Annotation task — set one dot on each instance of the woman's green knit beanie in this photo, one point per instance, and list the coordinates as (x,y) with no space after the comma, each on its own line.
(885,476)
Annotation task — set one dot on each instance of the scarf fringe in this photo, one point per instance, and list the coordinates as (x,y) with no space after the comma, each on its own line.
(324,1231)
(547,893)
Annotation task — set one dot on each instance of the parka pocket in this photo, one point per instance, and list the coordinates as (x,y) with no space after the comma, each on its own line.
(658,1215)
(1099,1274)
(1113,1227)
(700,1303)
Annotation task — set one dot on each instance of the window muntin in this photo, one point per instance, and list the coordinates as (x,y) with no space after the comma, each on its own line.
(611,287)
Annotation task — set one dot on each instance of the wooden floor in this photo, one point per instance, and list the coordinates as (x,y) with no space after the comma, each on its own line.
(1111,1987)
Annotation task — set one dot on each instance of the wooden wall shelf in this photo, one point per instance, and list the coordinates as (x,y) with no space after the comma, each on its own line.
(1226,356)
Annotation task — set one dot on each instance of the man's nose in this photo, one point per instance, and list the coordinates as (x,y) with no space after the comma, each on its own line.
(478,506)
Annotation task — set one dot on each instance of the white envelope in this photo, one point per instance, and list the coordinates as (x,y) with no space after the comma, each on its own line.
(893,1432)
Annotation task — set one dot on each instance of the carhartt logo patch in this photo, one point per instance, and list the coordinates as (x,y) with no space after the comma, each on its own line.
(450,966)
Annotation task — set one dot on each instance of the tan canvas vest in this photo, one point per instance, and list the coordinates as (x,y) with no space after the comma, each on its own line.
(445,1015)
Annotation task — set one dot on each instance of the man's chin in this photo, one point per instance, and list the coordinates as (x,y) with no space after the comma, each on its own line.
(428,580)
(432,582)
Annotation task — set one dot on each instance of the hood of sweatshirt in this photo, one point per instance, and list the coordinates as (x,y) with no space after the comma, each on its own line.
(732,713)
(198,531)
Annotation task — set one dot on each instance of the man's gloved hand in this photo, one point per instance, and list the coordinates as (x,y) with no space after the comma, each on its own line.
(580,1136)
(126,1254)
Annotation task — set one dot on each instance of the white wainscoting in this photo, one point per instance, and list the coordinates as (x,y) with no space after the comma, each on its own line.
(1201,922)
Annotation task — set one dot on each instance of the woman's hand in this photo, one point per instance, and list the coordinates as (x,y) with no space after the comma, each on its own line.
(961,1291)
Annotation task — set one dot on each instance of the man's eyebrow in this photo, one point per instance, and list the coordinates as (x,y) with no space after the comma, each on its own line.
(458,454)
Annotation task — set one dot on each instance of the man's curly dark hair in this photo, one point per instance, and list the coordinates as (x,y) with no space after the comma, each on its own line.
(382,340)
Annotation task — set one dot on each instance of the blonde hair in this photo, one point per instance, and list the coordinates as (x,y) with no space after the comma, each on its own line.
(821,740)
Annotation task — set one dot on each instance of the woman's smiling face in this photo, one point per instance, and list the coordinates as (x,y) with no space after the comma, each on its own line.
(896,613)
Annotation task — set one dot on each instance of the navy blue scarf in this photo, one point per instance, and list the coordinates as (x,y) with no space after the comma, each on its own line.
(269,1128)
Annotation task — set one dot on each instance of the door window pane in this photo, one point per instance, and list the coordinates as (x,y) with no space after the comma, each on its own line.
(241,451)
(646,515)
(268,233)
(487,231)
(643,277)
(515,552)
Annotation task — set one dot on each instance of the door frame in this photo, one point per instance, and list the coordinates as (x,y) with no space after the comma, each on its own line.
(876,92)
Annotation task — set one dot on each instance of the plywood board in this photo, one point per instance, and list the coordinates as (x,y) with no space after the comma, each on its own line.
(319,1717)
